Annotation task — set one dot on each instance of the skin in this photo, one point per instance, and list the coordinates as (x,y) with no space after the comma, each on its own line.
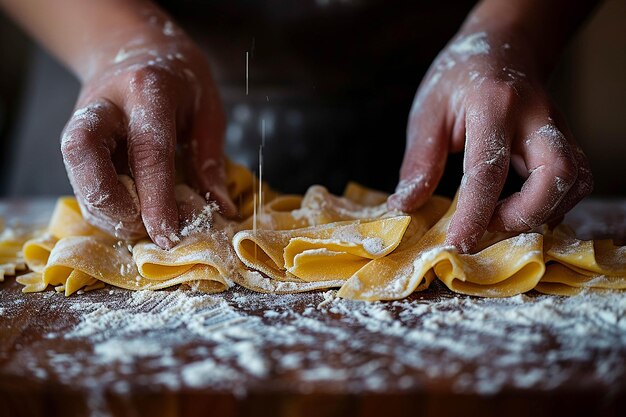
(146,89)
(486,94)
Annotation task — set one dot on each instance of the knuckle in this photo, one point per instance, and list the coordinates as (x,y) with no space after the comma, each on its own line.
(88,118)
(522,218)
(565,169)
(527,223)
(148,77)
(96,194)
(475,225)
(488,171)
(74,139)
(149,155)
(530,220)
(75,144)
(497,157)
(499,92)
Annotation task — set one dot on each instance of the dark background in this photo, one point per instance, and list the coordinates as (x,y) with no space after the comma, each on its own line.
(333,80)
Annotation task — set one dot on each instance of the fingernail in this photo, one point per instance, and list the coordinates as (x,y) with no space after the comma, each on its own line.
(163,242)
(405,191)
(459,240)
(463,246)
(396,202)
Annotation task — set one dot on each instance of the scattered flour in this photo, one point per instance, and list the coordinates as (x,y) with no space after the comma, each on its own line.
(201,222)
(373,245)
(238,341)
(233,341)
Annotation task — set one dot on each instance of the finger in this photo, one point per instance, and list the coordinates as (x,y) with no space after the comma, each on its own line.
(485,166)
(553,170)
(207,169)
(189,203)
(583,185)
(87,142)
(151,143)
(424,159)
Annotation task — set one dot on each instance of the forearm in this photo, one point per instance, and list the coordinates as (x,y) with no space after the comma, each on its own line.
(545,25)
(82,34)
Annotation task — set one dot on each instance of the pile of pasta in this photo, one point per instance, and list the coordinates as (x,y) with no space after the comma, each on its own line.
(316,241)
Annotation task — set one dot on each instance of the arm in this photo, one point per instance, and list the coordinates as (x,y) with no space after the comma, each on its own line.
(485,94)
(145,87)
(546,25)
(84,33)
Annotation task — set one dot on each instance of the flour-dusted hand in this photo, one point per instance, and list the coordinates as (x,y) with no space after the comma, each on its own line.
(485,93)
(152,92)
(147,92)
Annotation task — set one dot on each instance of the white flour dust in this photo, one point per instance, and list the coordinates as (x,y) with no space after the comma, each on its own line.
(234,341)
(470,45)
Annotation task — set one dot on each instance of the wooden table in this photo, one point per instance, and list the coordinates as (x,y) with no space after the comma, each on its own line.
(180,353)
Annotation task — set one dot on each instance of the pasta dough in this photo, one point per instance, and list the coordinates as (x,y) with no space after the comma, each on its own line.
(334,250)
(11,257)
(507,267)
(319,240)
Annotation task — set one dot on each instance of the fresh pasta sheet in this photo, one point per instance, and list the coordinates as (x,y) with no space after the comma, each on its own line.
(295,243)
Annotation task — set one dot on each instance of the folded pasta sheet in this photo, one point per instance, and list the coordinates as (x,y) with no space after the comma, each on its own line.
(508,267)
(295,243)
(574,265)
(11,255)
(66,222)
(317,253)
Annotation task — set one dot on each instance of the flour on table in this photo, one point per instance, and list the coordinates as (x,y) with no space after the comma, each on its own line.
(232,341)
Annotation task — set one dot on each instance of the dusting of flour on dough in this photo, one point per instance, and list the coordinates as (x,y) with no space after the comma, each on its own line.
(202,221)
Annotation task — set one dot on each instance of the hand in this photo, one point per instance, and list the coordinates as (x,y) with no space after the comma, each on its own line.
(151,93)
(484,94)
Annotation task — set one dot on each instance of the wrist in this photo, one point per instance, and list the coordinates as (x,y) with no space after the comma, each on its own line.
(149,40)
(509,43)
(541,27)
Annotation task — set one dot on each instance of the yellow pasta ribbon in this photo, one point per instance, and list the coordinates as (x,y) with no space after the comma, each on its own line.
(574,264)
(66,221)
(487,273)
(274,252)
(315,241)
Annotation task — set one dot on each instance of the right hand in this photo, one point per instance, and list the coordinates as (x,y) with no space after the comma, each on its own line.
(153,91)
(485,94)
